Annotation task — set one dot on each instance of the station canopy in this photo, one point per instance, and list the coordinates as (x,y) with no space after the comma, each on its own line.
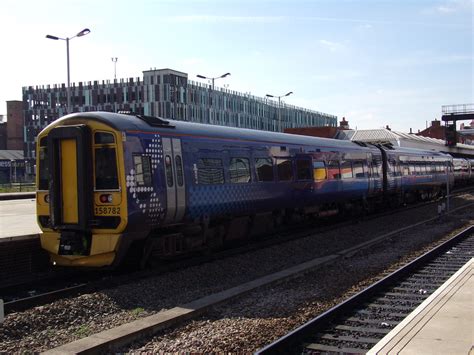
(405,140)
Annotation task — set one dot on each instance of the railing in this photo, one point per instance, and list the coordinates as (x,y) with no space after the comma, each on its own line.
(457,109)
(18,187)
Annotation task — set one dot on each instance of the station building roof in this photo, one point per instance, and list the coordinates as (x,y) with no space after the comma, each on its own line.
(11,154)
(400,139)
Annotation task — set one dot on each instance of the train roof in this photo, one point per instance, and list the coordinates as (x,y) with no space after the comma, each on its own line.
(130,123)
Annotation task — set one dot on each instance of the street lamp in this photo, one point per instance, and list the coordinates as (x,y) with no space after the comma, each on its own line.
(217,77)
(80,34)
(114,59)
(279,107)
(11,170)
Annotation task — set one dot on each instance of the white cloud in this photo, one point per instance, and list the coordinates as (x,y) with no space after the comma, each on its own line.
(451,6)
(225,19)
(420,59)
(332,46)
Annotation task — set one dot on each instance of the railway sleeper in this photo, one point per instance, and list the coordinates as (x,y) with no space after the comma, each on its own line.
(355,339)
(335,349)
(371,321)
(362,329)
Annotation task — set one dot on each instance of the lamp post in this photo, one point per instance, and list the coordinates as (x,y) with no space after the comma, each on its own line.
(279,107)
(217,77)
(11,170)
(114,59)
(80,34)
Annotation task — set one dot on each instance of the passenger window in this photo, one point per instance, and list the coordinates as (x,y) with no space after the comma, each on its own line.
(285,171)
(303,169)
(179,170)
(264,169)
(239,170)
(406,171)
(346,169)
(103,138)
(105,169)
(43,169)
(142,170)
(210,171)
(334,171)
(168,171)
(375,168)
(358,169)
(319,171)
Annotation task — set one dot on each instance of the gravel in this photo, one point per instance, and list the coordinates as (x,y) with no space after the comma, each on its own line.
(243,325)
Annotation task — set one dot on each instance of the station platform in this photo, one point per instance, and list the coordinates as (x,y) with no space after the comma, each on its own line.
(442,324)
(18,219)
(16,195)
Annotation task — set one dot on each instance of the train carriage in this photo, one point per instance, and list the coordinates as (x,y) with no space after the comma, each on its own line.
(111,185)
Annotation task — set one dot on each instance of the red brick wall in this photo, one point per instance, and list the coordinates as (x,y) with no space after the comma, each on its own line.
(15,125)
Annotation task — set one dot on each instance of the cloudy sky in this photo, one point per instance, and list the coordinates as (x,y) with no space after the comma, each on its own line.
(376,62)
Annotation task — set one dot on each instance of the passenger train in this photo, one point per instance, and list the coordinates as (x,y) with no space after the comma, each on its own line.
(113,185)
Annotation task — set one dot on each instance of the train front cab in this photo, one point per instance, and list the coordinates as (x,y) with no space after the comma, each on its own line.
(81,199)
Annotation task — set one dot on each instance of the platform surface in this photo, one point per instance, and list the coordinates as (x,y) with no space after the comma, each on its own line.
(18,218)
(442,324)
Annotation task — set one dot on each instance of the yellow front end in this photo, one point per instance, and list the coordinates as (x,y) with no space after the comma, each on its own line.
(62,196)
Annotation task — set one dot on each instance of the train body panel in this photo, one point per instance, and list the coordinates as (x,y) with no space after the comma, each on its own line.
(173,186)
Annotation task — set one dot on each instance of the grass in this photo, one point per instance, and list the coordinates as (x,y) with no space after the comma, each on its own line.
(137,311)
(20,187)
(82,331)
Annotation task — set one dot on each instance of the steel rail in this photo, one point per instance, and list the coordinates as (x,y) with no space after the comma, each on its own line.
(288,343)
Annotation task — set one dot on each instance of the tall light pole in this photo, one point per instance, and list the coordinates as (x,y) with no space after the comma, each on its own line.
(80,34)
(217,77)
(279,107)
(114,59)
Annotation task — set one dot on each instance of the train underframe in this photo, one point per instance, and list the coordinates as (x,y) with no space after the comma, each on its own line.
(213,234)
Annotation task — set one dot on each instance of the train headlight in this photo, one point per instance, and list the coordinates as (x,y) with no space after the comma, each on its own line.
(46,198)
(105,198)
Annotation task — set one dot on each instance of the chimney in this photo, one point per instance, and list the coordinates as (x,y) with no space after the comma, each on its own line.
(411,132)
(388,128)
(435,123)
(343,124)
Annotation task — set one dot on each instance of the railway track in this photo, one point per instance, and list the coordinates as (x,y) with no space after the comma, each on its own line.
(51,286)
(360,322)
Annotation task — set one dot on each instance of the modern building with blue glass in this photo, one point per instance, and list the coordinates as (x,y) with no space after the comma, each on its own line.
(164,93)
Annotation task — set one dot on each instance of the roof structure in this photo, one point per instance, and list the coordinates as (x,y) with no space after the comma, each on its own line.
(401,139)
(11,155)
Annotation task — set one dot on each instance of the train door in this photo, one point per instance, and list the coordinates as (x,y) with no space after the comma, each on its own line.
(175,183)
(70,186)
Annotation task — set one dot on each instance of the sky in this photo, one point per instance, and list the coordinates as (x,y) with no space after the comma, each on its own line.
(375,62)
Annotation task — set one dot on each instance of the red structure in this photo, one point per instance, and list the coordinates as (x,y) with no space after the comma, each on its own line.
(15,125)
(324,132)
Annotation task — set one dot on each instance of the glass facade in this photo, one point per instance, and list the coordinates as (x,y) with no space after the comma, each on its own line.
(164,93)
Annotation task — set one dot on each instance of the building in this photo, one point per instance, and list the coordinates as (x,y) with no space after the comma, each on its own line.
(325,132)
(406,140)
(3,134)
(12,166)
(14,125)
(165,93)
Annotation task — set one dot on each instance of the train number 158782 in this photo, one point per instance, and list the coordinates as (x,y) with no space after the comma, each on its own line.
(106,211)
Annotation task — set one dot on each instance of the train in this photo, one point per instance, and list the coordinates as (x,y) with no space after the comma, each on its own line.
(113,187)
